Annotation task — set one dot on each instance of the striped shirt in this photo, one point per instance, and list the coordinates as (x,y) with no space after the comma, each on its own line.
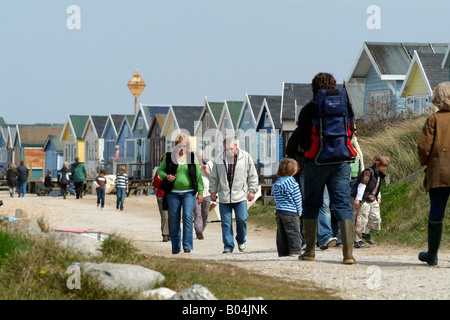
(121,180)
(287,195)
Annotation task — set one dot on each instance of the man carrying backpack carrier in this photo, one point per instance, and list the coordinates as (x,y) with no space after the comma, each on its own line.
(325,128)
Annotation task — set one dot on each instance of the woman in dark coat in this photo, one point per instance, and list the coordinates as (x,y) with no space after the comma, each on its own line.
(11,178)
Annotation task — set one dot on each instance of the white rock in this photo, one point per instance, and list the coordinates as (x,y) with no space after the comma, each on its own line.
(158,294)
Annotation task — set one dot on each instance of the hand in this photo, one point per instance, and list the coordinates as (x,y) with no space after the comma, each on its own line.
(356,204)
(379,200)
(199,198)
(251,196)
(213,197)
(171,177)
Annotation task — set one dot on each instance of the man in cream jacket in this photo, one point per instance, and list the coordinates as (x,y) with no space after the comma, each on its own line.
(235,180)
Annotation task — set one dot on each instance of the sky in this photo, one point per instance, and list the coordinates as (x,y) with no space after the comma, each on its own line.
(56,61)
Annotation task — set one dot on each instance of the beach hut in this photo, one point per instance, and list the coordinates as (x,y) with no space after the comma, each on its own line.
(157,142)
(293,98)
(377,76)
(125,140)
(3,152)
(246,124)
(446,61)
(94,144)
(140,129)
(109,136)
(424,73)
(205,129)
(54,152)
(31,141)
(72,137)
(13,150)
(270,144)
(180,119)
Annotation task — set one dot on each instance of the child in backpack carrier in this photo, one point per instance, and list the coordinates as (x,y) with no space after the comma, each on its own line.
(289,207)
(367,195)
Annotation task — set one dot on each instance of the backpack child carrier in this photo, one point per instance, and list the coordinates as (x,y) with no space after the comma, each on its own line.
(331,129)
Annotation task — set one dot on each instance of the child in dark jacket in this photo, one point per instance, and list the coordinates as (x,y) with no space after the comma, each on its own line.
(289,207)
(367,200)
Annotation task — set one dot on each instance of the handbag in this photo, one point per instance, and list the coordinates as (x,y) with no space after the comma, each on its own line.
(166,185)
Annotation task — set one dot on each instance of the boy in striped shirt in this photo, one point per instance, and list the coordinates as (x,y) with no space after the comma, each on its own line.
(121,187)
(289,207)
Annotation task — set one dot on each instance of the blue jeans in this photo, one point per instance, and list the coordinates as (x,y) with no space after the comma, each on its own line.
(21,188)
(241,214)
(337,179)
(176,201)
(438,202)
(101,196)
(324,230)
(324,227)
(120,193)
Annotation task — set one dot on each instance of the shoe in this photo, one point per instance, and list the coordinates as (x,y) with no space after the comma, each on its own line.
(98,205)
(227,251)
(200,235)
(103,208)
(187,251)
(331,242)
(165,238)
(241,247)
(360,244)
(368,238)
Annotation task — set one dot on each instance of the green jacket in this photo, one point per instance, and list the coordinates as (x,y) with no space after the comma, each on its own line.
(78,171)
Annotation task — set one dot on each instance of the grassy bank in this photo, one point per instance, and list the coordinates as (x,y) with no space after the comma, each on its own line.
(36,269)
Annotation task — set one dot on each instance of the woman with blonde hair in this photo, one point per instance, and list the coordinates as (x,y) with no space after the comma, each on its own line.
(11,179)
(182,181)
(434,152)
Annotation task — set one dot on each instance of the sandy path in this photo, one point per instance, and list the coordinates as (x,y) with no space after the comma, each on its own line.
(380,273)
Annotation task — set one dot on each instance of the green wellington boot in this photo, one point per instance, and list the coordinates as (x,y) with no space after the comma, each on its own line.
(434,241)
(346,227)
(310,227)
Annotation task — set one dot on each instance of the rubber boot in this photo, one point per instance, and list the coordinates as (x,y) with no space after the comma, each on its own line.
(346,227)
(434,241)
(310,228)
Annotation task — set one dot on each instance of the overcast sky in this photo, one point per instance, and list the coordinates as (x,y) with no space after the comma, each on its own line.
(56,60)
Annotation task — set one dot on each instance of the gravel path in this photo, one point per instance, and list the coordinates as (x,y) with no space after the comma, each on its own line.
(380,272)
